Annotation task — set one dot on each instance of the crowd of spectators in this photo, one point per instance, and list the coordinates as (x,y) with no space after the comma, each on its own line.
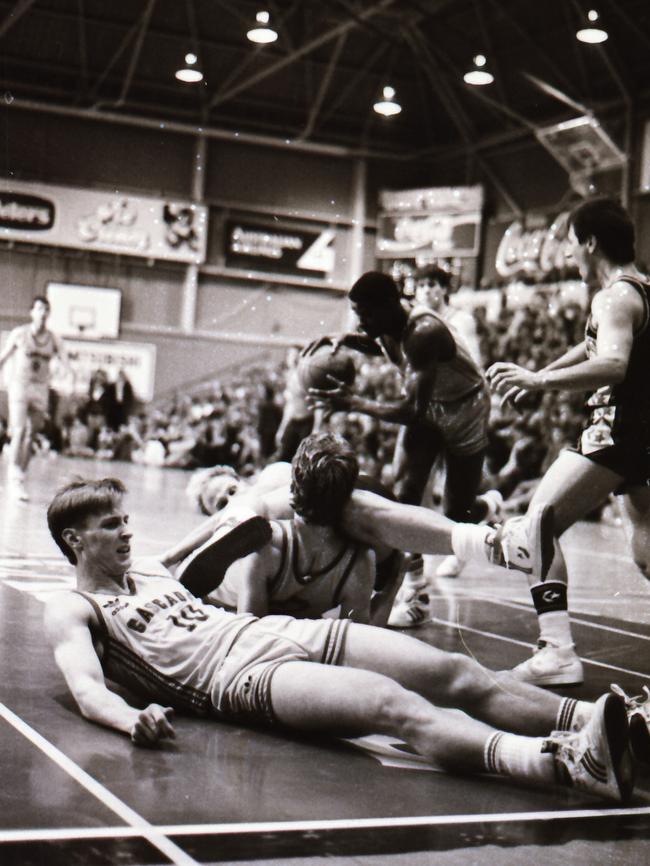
(240,422)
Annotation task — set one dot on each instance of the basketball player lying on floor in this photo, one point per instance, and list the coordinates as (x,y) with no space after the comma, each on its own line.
(132,623)
(302,562)
(307,566)
(366,517)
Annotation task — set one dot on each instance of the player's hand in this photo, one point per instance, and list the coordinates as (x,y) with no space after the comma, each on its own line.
(507,379)
(315,345)
(336,398)
(152,725)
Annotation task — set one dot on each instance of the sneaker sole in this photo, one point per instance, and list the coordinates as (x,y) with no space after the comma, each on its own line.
(544,544)
(206,571)
(617,733)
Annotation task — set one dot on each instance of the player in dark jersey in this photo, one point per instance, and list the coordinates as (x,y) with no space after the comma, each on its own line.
(444,409)
(613,454)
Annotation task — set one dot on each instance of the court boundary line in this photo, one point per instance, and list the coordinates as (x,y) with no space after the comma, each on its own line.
(251,828)
(164,845)
(528,606)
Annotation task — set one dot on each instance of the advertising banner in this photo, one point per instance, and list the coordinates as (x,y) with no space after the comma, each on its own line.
(439,222)
(138,360)
(110,222)
(535,249)
(285,250)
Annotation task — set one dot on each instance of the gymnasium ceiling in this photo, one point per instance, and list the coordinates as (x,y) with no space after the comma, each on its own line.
(316,84)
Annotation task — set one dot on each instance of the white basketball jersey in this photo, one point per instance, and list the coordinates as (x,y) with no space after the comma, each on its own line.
(159,639)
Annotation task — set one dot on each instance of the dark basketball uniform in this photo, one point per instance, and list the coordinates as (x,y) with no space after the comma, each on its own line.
(459,406)
(617,432)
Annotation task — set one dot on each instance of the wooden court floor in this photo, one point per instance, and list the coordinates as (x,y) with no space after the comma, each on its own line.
(73,793)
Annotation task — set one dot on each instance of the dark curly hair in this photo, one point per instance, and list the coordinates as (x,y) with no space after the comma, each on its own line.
(324,471)
(609,223)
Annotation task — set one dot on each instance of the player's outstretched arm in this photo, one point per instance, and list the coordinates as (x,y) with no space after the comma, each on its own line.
(67,626)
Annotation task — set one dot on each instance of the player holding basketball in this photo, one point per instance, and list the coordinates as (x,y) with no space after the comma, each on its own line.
(32,347)
(614,450)
(444,411)
(132,623)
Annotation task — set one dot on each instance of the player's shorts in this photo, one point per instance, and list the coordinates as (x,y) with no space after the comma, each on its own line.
(463,423)
(243,684)
(625,453)
(24,400)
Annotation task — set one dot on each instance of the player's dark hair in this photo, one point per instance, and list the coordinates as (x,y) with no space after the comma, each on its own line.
(323,474)
(436,276)
(76,502)
(609,223)
(42,299)
(374,288)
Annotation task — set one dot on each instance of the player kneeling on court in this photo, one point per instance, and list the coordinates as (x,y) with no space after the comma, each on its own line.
(132,623)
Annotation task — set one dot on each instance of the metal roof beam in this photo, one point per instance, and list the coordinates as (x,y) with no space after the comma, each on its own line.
(305,49)
(325,83)
(16,13)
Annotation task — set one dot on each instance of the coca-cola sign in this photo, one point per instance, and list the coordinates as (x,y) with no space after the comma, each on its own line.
(536,252)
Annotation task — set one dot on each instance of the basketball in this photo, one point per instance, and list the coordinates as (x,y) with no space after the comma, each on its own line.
(317,369)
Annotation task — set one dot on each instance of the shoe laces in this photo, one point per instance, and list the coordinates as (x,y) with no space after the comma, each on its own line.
(638,702)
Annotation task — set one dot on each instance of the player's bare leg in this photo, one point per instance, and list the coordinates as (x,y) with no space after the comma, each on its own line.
(348,701)
(573,486)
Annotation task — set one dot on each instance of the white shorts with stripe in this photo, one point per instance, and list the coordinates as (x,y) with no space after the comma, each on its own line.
(244,681)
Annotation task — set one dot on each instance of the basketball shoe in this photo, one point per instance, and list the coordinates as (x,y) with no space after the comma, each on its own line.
(597,758)
(525,543)
(551,665)
(638,715)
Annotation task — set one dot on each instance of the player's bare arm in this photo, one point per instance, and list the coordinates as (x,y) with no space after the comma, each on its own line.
(68,620)
(9,349)
(252,575)
(616,312)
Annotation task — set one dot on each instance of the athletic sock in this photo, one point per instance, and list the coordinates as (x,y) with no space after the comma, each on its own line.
(523,758)
(573,715)
(469,541)
(550,600)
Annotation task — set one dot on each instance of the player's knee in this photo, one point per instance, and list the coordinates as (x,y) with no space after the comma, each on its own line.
(391,705)
(467,682)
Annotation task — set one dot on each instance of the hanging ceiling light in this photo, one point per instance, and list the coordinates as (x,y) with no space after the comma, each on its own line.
(591,34)
(264,33)
(478,75)
(387,104)
(190,73)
